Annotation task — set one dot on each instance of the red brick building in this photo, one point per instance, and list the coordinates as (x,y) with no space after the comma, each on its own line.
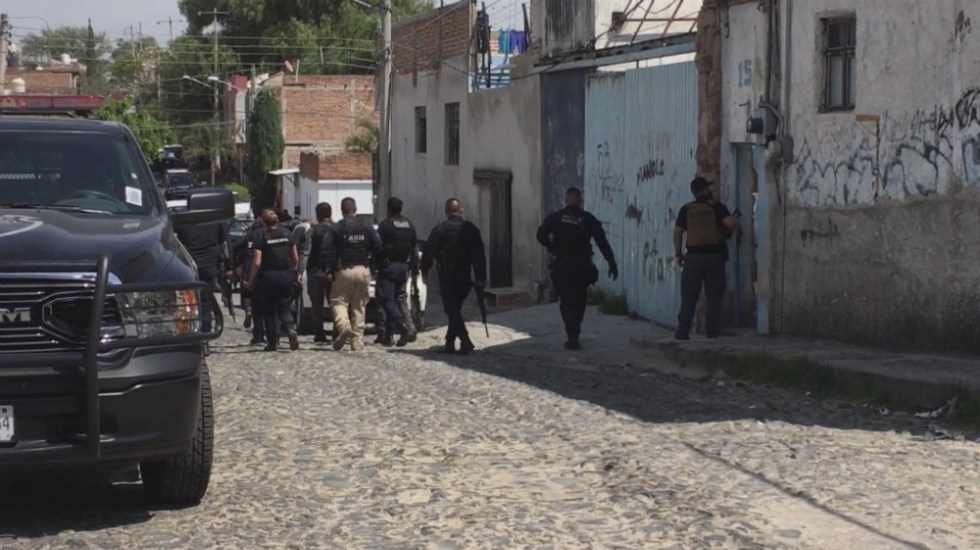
(320,112)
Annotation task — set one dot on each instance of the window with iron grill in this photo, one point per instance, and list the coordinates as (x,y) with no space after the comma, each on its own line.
(421,131)
(840,69)
(452,134)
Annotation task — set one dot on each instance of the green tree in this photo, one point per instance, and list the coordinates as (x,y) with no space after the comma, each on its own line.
(83,43)
(133,67)
(366,139)
(151,133)
(210,139)
(325,36)
(265,148)
(184,101)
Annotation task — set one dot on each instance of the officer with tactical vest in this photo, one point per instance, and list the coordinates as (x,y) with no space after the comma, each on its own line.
(457,247)
(707,224)
(272,278)
(346,255)
(317,284)
(568,235)
(399,259)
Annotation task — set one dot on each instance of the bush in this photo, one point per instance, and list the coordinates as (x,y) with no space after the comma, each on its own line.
(240,190)
(609,303)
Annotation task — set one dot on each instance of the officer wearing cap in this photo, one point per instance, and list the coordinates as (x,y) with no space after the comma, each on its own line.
(346,253)
(568,235)
(705,224)
(399,259)
(272,278)
(456,246)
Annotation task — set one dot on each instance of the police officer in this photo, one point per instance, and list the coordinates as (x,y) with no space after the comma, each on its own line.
(707,224)
(346,253)
(208,245)
(272,278)
(399,259)
(568,235)
(310,261)
(457,247)
(253,307)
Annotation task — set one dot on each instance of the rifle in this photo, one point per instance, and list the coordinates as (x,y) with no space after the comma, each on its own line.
(227,292)
(480,295)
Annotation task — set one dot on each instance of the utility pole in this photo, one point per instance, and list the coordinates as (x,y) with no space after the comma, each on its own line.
(4,36)
(170,21)
(384,160)
(214,30)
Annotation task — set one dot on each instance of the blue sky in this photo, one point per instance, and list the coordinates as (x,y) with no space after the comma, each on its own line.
(114,17)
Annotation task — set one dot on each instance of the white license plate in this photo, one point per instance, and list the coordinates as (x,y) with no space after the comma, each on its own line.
(6,423)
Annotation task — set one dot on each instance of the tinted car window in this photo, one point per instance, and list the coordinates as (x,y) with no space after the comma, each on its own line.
(181,180)
(90,170)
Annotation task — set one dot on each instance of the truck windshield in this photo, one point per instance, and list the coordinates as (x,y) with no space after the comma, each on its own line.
(86,171)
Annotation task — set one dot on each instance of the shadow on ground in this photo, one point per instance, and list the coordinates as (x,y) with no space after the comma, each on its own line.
(526,346)
(45,504)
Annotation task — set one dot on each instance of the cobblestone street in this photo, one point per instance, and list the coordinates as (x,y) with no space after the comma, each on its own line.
(513,447)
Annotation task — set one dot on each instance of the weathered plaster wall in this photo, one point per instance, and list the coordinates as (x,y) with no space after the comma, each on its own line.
(882,203)
(500,130)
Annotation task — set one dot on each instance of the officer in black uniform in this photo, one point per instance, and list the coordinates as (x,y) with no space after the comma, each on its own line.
(457,247)
(253,307)
(208,245)
(568,235)
(707,224)
(317,284)
(272,278)
(399,259)
(347,253)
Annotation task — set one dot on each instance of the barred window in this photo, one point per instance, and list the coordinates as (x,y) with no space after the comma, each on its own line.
(840,69)
(452,134)
(421,131)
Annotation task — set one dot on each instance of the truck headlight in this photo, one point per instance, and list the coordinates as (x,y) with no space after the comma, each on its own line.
(161,313)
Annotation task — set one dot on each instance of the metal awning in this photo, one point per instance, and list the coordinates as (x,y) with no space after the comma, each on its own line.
(284,172)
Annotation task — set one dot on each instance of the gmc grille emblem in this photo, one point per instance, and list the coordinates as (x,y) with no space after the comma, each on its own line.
(15,315)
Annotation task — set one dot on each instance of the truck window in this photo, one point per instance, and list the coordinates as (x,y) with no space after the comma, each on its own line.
(88,170)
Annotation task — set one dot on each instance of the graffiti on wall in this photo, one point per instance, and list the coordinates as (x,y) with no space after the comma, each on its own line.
(893,156)
(607,173)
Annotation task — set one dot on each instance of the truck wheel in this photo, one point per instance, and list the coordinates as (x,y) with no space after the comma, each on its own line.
(183,480)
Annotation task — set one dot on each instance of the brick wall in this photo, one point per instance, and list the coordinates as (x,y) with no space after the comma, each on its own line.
(335,166)
(424,41)
(42,82)
(323,110)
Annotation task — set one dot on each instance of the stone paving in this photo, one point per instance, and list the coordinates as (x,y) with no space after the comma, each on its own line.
(518,446)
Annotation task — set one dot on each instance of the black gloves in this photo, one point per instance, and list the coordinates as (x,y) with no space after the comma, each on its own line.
(613,271)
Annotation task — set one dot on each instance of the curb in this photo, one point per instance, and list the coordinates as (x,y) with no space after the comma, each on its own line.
(821,378)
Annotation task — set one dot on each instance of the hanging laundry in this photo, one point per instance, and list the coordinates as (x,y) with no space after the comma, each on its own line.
(518,42)
(503,42)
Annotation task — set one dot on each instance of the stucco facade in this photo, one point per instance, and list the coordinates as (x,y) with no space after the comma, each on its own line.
(876,216)
(499,133)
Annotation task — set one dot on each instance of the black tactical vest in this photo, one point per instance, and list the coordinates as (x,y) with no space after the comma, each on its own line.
(355,243)
(317,234)
(402,246)
(452,251)
(276,246)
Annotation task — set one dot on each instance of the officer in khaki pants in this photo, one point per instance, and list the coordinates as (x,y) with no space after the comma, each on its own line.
(347,252)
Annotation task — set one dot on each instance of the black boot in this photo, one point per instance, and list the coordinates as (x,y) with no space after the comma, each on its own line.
(466,345)
(385,341)
(450,346)
(573,343)
(407,336)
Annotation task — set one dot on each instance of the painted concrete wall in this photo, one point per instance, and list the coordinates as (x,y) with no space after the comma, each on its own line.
(500,129)
(882,203)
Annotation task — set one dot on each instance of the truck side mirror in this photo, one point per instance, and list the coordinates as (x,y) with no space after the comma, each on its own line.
(206,206)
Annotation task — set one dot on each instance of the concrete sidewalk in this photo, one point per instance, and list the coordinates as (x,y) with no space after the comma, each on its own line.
(906,381)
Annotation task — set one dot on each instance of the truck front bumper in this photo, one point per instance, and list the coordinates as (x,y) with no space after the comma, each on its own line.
(148,409)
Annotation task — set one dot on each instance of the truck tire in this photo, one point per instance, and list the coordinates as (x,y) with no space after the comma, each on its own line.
(183,480)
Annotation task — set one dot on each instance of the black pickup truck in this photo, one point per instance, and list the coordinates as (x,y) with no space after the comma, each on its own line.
(103,325)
